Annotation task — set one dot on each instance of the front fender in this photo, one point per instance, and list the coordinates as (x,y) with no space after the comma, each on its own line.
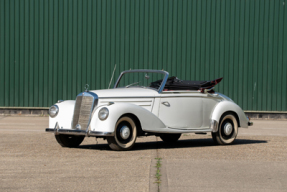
(225,106)
(147,119)
(65,115)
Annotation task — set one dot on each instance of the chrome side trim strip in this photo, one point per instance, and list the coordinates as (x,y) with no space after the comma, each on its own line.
(162,96)
(124,97)
(121,101)
(172,130)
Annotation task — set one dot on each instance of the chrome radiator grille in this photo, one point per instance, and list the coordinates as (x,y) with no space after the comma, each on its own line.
(82,112)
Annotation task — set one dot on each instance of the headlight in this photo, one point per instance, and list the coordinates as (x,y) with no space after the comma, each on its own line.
(103,113)
(53,111)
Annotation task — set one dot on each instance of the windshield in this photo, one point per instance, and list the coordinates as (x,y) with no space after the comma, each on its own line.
(150,80)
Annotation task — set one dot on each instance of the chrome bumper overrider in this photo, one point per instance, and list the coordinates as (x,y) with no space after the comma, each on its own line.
(214,126)
(58,131)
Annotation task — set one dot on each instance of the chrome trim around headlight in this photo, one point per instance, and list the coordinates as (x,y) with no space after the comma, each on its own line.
(106,111)
(57,111)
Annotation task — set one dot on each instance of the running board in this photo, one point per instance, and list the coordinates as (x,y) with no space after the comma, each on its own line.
(172,130)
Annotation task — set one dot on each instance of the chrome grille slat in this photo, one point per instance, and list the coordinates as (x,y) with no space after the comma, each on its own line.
(85,112)
(77,111)
(82,112)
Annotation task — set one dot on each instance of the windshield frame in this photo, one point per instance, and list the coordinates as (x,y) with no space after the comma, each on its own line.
(166,74)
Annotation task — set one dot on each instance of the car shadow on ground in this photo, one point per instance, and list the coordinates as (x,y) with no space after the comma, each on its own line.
(188,143)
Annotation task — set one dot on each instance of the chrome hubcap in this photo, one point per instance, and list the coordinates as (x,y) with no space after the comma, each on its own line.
(228,128)
(125,132)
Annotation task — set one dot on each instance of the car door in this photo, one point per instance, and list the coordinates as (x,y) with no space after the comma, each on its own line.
(181,112)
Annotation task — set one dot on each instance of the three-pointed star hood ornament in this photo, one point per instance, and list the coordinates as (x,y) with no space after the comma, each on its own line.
(87,88)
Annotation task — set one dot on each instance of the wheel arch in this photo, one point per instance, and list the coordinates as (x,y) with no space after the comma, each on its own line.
(233,113)
(229,107)
(137,122)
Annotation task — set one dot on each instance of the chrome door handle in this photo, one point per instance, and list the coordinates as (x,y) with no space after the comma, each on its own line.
(165,103)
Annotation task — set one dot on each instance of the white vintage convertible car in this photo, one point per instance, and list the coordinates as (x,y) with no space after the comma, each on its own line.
(143,103)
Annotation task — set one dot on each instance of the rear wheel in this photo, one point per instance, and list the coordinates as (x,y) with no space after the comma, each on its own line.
(69,140)
(170,138)
(227,130)
(125,134)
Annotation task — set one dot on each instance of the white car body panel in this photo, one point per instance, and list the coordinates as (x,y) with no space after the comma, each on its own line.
(209,103)
(195,109)
(157,112)
(181,113)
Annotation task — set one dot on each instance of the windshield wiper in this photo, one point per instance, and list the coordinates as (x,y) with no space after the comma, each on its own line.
(132,84)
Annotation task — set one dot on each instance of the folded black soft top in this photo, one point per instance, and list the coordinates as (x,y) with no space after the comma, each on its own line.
(173,83)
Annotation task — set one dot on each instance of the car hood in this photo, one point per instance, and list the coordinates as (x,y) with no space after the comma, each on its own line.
(125,92)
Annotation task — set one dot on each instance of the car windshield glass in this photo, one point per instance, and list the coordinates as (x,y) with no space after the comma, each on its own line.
(140,79)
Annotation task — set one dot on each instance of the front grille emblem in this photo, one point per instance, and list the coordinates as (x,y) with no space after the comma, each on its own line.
(87,88)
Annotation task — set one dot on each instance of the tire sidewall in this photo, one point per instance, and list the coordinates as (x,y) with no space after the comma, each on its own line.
(133,127)
(69,140)
(226,118)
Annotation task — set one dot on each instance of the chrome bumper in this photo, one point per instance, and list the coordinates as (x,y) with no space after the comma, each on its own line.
(58,131)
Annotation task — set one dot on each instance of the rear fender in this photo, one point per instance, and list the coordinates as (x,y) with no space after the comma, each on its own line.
(229,106)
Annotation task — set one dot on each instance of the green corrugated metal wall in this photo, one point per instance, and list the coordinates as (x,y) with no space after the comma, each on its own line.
(49,49)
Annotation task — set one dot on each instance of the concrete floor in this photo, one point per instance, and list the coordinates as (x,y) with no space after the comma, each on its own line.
(32,160)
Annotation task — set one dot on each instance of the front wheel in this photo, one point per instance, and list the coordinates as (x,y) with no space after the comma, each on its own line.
(69,140)
(170,138)
(227,130)
(125,134)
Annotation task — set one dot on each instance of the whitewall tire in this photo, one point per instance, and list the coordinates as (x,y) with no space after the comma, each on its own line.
(227,130)
(125,134)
